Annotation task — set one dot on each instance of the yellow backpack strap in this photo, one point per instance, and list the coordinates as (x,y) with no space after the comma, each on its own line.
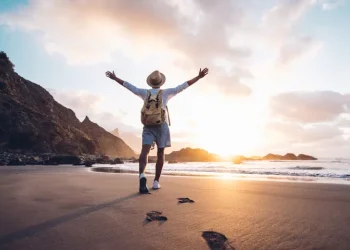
(148,99)
(159,95)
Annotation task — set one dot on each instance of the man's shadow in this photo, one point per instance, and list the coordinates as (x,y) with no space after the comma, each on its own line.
(30,231)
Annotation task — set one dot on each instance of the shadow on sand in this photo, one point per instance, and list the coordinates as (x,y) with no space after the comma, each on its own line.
(30,231)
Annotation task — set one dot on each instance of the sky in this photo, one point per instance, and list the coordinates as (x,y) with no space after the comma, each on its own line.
(278,82)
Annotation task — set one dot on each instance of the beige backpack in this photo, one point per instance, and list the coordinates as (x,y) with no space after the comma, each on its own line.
(152,112)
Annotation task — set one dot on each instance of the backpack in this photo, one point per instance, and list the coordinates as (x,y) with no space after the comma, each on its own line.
(152,113)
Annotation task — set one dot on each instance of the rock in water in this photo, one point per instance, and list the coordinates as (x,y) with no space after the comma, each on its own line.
(117,161)
(89,163)
(272,157)
(306,157)
(172,162)
(192,155)
(290,157)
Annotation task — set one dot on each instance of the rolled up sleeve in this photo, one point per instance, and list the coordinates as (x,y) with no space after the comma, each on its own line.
(142,93)
(171,92)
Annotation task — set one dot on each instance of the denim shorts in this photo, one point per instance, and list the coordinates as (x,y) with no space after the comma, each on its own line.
(158,134)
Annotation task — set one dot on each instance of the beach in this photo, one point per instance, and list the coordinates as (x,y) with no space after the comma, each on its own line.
(71,207)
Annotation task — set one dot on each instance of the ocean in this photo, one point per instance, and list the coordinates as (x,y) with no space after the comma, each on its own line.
(322,170)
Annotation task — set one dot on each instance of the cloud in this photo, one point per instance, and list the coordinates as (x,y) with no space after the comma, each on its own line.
(278,26)
(309,107)
(294,133)
(80,102)
(89,32)
(344,123)
(279,21)
(84,103)
(331,4)
(297,48)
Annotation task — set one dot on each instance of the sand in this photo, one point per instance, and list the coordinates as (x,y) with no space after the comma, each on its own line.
(62,207)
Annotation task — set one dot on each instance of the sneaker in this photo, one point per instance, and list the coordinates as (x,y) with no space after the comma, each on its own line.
(156,185)
(143,185)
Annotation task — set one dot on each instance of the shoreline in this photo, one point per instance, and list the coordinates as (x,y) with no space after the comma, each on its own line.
(234,177)
(208,175)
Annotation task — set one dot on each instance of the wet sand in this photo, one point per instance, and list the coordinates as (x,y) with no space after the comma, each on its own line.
(63,207)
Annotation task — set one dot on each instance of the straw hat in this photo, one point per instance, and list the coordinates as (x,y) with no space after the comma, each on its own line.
(156,79)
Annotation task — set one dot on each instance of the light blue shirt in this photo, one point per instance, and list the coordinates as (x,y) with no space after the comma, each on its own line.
(166,96)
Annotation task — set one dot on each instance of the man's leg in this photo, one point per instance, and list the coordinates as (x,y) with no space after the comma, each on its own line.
(142,165)
(163,141)
(143,160)
(160,163)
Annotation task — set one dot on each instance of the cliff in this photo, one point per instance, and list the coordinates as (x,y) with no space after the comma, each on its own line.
(31,121)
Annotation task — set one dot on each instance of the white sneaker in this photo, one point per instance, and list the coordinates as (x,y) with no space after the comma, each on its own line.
(156,185)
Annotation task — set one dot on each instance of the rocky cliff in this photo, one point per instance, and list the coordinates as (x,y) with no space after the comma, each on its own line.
(108,143)
(32,121)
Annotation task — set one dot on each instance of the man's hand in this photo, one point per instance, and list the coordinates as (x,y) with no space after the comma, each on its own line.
(111,75)
(203,73)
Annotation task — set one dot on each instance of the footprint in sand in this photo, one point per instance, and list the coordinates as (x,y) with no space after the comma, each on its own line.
(217,241)
(185,200)
(155,215)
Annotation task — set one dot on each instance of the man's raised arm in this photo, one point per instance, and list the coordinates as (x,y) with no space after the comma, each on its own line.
(201,74)
(171,92)
(139,92)
(113,77)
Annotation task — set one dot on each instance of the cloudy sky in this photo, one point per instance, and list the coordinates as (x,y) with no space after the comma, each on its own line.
(279,76)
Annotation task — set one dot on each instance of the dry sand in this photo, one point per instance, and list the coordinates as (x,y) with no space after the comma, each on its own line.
(71,208)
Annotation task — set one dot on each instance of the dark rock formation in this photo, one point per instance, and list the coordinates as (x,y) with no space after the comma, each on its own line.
(191,155)
(306,157)
(89,163)
(172,162)
(117,161)
(151,159)
(16,162)
(31,121)
(104,159)
(34,160)
(63,159)
(272,157)
(290,157)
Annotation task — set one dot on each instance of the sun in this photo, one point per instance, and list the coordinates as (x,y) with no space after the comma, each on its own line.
(229,137)
(228,143)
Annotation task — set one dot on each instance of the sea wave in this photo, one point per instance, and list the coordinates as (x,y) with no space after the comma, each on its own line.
(215,172)
(307,168)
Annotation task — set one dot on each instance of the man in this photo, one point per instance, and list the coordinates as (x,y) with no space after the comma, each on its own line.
(159,134)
